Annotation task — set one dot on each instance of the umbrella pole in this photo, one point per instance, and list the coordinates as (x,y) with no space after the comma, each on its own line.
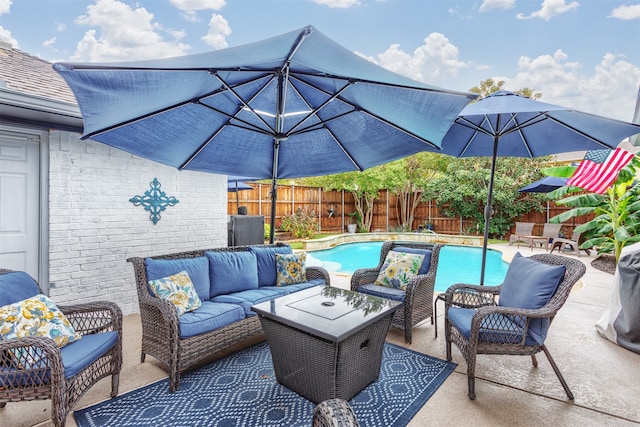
(488,211)
(237,198)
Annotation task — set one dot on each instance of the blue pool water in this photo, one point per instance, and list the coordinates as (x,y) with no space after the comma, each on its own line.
(456,264)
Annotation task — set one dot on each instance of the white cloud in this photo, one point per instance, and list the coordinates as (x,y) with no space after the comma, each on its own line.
(218,31)
(5,5)
(198,4)
(5,36)
(433,62)
(551,8)
(603,90)
(61,26)
(626,12)
(487,5)
(122,33)
(342,4)
(50,42)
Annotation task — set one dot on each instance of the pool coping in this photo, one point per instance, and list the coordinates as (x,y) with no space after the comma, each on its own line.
(339,239)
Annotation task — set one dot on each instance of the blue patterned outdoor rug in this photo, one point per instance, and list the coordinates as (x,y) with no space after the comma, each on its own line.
(241,390)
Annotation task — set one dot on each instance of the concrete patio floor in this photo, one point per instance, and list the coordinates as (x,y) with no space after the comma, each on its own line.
(604,377)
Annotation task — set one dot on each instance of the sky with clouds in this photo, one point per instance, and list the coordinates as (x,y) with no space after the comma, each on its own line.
(583,54)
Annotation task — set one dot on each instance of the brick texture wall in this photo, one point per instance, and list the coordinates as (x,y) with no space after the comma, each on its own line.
(94,228)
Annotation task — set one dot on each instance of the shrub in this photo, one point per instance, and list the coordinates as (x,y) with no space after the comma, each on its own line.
(301,224)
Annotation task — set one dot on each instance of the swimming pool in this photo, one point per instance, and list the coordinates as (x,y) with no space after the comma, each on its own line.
(456,264)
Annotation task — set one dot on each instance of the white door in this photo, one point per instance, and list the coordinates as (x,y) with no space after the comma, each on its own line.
(20,201)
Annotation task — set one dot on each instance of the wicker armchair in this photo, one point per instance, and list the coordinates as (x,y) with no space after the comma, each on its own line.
(334,413)
(46,376)
(494,329)
(418,297)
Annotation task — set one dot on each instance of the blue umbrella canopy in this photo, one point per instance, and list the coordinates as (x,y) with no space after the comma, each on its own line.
(510,125)
(294,105)
(235,186)
(544,185)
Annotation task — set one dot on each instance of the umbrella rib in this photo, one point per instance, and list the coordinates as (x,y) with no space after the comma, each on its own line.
(356,108)
(244,103)
(169,108)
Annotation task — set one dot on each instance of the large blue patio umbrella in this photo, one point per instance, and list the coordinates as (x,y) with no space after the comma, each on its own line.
(505,124)
(294,105)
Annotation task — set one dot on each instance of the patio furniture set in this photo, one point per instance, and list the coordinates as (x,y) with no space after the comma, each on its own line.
(339,333)
(550,238)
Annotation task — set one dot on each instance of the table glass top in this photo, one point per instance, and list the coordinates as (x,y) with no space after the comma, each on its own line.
(327,311)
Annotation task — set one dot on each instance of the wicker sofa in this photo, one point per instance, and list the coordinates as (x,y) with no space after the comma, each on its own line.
(227,287)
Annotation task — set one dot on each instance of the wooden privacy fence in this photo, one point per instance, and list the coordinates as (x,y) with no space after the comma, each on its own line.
(320,204)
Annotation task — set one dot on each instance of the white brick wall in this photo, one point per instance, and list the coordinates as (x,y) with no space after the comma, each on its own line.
(94,227)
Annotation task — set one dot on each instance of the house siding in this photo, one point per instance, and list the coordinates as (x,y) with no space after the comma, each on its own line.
(94,228)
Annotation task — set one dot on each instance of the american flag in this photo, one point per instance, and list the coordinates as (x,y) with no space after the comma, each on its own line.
(599,169)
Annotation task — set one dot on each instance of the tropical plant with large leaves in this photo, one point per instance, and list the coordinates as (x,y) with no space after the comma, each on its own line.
(616,221)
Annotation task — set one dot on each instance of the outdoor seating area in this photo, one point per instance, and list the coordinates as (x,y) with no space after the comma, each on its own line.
(502,397)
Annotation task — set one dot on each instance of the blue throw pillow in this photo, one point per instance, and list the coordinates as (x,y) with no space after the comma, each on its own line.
(426,263)
(266,259)
(232,272)
(16,286)
(197,268)
(529,283)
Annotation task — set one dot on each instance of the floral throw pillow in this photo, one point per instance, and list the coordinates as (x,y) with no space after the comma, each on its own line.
(37,316)
(177,289)
(398,269)
(291,268)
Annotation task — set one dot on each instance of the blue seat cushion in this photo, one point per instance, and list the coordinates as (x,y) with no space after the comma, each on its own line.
(210,316)
(383,291)
(80,354)
(246,299)
(198,269)
(266,259)
(76,356)
(232,272)
(289,289)
(497,328)
(426,262)
(16,286)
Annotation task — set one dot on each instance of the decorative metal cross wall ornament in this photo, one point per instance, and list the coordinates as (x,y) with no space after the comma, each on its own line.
(154,200)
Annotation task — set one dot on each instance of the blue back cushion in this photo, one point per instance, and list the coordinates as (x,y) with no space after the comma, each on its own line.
(232,272)
(266,259)
(16,286)
(529,283)
(198,269)
(426,263)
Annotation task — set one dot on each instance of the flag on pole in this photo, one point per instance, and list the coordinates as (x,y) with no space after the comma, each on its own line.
(599,169)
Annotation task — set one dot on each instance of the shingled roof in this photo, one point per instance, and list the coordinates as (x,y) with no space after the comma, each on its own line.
(25,73)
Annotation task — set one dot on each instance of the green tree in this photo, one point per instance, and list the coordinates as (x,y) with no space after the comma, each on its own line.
(364,186)
(407,178)
(462,191)
(617,212)
(489,86)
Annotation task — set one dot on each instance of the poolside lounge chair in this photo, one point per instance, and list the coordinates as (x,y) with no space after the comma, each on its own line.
(418,295)
(522,229)
(573,244)
(549,233)
(513,318)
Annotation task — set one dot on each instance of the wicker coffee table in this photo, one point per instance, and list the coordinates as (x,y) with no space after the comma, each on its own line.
(326,342)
